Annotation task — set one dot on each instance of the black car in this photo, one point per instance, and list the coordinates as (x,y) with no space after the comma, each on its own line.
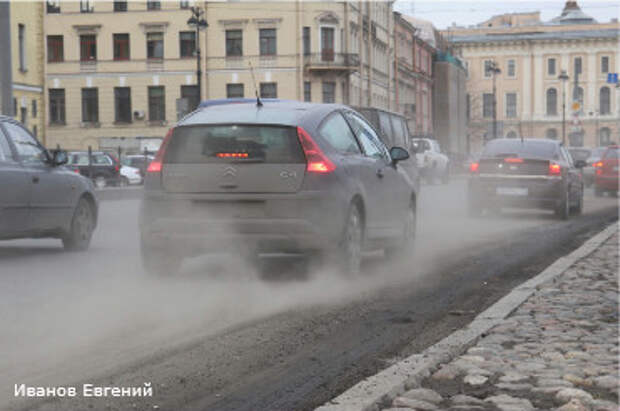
(102,168)
(41,198)
(525,173)
(277,178)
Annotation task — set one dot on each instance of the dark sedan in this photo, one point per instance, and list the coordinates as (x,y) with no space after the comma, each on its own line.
(41,197)
(277,178)
(528,173)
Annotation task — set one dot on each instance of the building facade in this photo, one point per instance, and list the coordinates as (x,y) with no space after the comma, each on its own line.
(118,73)
(531,55)
(28,104)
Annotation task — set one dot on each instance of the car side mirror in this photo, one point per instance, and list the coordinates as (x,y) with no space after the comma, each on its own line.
(398,154)
(580,163)
(59,157)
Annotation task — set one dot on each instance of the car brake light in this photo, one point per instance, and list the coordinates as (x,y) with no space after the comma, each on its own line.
(76,170)
(513,160)
(598,164)
(232,155)
(555,169)
(156,164)
(317,160)
(599,171)
(473,167)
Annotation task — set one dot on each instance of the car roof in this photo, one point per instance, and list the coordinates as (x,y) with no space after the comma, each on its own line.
(528,140)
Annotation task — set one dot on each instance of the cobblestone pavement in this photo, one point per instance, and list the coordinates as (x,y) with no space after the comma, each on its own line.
(558,350)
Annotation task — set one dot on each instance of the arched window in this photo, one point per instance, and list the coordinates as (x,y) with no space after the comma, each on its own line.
(511,134)
(552,102)
(605,136)
(552,134)
(604,101)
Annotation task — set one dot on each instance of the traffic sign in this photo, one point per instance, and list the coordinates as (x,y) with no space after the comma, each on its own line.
(612,78)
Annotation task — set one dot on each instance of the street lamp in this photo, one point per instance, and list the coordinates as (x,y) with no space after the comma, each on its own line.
(564,77)
(199,23)
(494,69)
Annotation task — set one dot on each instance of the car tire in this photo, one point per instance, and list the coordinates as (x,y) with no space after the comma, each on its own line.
(350,250)
(82,227)
(158,263)
(407,242)
(563,209)
(578,209)
(99,181)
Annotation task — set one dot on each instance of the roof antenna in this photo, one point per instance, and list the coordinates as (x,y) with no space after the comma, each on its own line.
(258,102)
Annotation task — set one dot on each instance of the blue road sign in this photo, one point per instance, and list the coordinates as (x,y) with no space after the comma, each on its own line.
(612,78)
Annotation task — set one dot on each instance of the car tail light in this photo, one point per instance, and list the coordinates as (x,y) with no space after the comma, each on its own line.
(598,164)
(76,170)
(599,171)
(232,155)
(473,167)
(555,169)
(513,160)
(156,164)
(317,160)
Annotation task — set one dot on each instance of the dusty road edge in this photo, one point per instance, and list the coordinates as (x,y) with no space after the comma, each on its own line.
(379,389)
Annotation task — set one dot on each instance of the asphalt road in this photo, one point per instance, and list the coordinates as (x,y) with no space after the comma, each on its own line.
(218,338)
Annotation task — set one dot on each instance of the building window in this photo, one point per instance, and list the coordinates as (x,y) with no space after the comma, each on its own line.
(487,68)
(487,105)
(468,106)
(34,131)
(85,6)
(306,40)
(605,136)
(53,7)
(327,44)
(605,64)
(23,115)
(121,46)
(551,134)
(604,101)
(329,92)
(34,109)
(21,35)
(191,94)
(234,43)
(234,90)
(512,68)
(578,65)
(267,42)
(187,43)
(88,47)
(155,45)
(552,102)
(307,91)
(120,5)
(55,49)
(511,105)
(269,90)
(157,103)
(90,105)
(122,104)
(184,4)
(153,5)
(551,67)
(14,107)
(57,105)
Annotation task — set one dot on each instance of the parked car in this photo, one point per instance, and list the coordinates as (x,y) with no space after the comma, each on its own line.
(393,130)
(41,198)
(139,161)
(283,177)
(102,168)
(592,162)
(607,173)
(528,173)
(130,176)
(433,164)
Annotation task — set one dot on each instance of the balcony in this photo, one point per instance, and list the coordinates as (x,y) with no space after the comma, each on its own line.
(328,60)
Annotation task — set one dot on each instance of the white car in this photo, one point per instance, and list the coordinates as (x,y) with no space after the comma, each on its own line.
(432,163)
(130,175)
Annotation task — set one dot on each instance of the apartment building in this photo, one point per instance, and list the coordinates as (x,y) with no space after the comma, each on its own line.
(531,55)
(27,54)
(119,73)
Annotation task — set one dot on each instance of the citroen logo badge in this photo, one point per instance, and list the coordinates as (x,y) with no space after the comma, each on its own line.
(229,171)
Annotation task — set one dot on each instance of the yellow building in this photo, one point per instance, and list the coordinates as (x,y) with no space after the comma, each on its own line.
(116,72)
(26,20)
(531,55)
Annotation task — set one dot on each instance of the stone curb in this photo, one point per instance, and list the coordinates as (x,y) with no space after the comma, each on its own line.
(381,389)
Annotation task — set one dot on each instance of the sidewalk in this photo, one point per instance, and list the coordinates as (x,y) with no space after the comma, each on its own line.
(558,350)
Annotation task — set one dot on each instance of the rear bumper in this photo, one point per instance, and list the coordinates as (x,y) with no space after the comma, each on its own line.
(607,182)
(544,192)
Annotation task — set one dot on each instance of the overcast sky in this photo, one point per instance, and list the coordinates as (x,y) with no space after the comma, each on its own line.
(442,13)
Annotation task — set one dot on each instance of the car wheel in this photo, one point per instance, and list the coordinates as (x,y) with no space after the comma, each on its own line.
(407,242)
(100,181)
(578,209)
(563,209)
(350,259)
(82,227)
(158,263)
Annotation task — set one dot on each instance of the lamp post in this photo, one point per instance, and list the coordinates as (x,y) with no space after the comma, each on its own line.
(494,70)
(199,23)
(597,132)
(564,77)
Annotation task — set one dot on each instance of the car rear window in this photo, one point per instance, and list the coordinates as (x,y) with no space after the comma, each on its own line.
(579,153)
(517,148)
(81,159)
(234,143)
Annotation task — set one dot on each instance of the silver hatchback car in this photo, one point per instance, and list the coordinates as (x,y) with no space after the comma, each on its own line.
(276,177)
